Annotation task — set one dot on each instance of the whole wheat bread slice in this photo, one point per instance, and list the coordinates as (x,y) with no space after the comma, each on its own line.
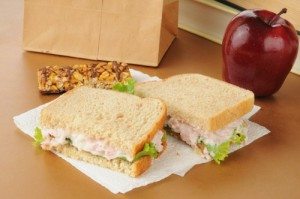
(132,169)
(125,121)
(200,100)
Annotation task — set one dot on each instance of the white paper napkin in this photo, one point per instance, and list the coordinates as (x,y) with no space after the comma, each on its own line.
(165,165)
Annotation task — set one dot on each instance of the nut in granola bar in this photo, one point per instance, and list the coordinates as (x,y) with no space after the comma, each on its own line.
(58,79)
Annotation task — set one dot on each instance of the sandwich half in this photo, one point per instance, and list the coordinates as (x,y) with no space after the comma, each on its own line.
(115,130)
(203,112)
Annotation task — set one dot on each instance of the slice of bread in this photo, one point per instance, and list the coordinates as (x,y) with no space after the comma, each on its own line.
(199,100)
(125,121)
(132,169)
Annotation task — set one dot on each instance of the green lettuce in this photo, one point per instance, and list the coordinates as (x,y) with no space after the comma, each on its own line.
(149,149)
(164,137)
(126,87)
(38,137)
(237,137)
(221,151)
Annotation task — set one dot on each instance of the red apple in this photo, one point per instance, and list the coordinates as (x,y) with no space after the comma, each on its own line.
(259,49)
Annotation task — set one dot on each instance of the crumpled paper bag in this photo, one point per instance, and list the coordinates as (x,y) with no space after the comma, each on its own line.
(167,164)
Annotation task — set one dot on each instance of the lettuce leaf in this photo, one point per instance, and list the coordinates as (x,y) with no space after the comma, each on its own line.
(126,87)
(149,149)
(164,137)
(221,151)
(237,137)
(38,136)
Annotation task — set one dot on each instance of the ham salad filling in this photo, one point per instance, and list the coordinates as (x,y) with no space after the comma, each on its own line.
(208,141)
(100,147)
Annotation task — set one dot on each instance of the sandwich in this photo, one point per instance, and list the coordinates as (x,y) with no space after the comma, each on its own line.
(115,130)
(203,112)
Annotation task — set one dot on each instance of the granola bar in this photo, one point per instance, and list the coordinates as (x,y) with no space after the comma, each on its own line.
(58,79)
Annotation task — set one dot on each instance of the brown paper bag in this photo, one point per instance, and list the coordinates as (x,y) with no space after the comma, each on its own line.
(132,31)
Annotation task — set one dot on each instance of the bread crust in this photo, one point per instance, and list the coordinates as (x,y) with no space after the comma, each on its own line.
(132,169)
(214,122)
(141,166)
(156,127)
(222,119)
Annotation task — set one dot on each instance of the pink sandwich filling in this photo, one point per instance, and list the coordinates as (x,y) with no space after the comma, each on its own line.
(192,135)
(100,147)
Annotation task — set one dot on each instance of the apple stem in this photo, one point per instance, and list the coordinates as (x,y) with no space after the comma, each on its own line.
(275,18)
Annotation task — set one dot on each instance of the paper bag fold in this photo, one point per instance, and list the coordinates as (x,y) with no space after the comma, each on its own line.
(132,31)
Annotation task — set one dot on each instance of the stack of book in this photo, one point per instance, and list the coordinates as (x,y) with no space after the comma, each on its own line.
(209,18)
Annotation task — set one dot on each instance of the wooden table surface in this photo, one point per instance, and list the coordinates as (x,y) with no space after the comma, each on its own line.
(268,168)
